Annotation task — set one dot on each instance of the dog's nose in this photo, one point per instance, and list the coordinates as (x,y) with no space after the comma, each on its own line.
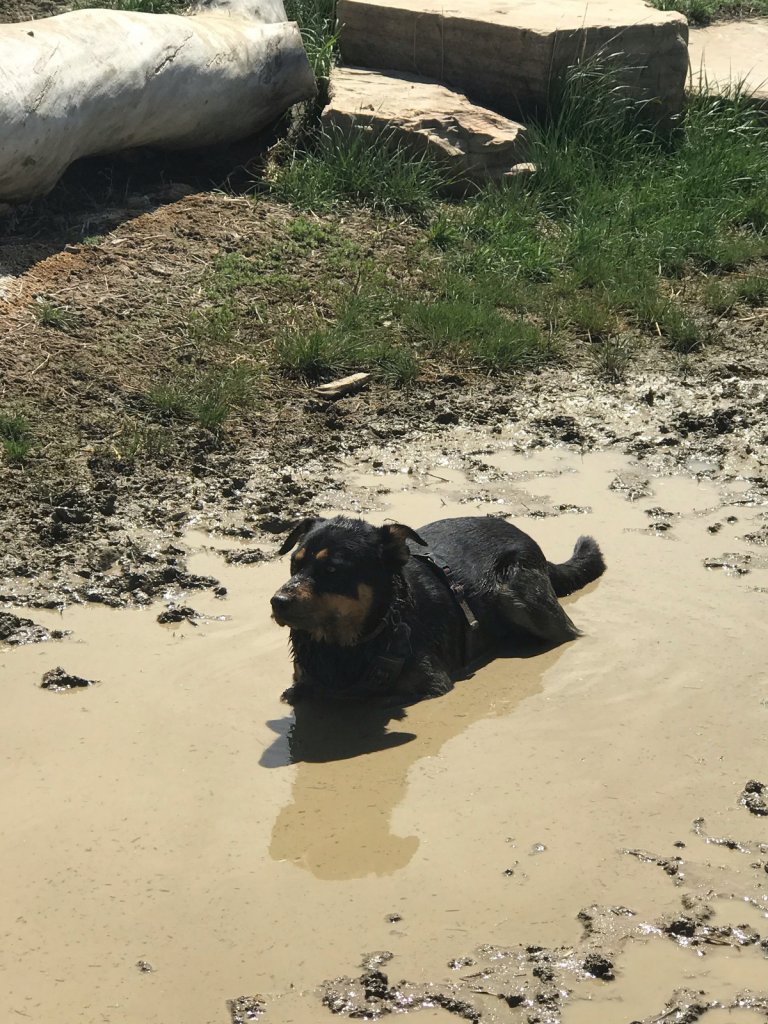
(280,602)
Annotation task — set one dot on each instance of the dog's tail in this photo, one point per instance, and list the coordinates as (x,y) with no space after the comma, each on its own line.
(585,564)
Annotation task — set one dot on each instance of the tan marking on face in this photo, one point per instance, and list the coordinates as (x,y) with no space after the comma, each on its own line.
(300,554)
(321,555)
(340,619)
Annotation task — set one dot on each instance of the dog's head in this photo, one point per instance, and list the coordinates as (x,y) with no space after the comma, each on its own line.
(342,574)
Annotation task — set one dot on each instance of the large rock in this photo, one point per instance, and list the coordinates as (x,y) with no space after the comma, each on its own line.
(425,118)
(731,56)
(99,81)
(507,53)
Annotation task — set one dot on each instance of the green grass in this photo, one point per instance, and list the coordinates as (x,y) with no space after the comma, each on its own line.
(723,296)
(364,336)
(368,172)
(15,438)
(317,22)
(595,241)
(475,332)
(208,397)
(60,318)
(704,12)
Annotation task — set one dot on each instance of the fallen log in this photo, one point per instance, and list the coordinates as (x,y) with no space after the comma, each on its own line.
(101,81)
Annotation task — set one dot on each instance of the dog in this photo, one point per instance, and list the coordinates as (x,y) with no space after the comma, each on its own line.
(389,612)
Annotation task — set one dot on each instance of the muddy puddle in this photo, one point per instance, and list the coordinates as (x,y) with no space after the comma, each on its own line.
(558,839)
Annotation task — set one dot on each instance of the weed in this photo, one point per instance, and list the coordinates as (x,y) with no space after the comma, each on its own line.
(15,437)
(60,318)
(137,441)
(311,233)
(611,358)
(214,325)
(680,331)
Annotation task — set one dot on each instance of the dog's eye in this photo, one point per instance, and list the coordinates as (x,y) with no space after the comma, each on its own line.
(330,569)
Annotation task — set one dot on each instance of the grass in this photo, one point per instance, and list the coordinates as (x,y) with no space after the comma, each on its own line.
(317,22)
(704,12)
(207,398)
(358,170)
(15,438)
(722,297)
(364,336)
(60,318)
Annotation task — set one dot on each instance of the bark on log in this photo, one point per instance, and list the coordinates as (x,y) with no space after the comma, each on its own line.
(99,81)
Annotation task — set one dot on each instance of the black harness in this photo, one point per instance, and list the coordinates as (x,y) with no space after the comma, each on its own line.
(387,666)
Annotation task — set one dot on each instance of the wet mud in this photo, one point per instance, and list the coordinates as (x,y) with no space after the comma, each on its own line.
(570,836)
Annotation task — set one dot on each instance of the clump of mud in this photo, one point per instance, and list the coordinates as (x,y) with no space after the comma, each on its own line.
(17,631)
(245,1009)
(115,576)
(754,798)
(60,681)
(178,613)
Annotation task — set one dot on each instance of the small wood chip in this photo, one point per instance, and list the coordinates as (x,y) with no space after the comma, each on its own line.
(344,386)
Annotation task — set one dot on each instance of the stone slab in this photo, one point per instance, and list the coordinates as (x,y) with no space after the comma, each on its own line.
(736,53)
(506,54)
(426,118)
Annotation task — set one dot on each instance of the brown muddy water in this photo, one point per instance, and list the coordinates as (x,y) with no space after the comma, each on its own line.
(173,839)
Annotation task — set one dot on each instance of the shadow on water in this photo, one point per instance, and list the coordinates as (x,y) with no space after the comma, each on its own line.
(352,765)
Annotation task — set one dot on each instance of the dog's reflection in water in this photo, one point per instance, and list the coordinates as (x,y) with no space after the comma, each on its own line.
(352,763)
(351,773)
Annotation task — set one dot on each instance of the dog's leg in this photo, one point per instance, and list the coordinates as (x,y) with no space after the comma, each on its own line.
(527,601)
(424,679)
(302,687)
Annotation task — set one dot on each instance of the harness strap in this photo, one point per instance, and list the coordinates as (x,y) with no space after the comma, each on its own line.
(456,588)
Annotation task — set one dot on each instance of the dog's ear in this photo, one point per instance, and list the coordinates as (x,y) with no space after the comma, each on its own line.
(394,536)
(300,529)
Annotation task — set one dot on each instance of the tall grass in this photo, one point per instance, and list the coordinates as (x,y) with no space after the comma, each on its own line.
(616,213)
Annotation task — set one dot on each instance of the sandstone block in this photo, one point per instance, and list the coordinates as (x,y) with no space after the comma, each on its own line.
(507,54)
(425,118)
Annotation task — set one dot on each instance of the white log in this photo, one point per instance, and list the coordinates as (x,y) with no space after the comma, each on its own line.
(100,81)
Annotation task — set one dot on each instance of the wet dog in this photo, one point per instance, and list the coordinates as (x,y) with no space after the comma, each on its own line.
(394,613)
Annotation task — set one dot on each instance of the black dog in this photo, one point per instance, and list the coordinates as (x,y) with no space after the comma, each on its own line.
(370,616)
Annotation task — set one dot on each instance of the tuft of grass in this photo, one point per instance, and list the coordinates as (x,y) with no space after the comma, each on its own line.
(704,12)
(721,296)
(207,398)
(60,318)
(475,332)
(612,358)
(358,169)
(15,438)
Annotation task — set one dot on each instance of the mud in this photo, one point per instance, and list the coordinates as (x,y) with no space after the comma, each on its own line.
(58,680)
(563,838)
(17,630)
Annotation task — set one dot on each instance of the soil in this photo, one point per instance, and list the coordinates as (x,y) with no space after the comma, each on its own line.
(571,837)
